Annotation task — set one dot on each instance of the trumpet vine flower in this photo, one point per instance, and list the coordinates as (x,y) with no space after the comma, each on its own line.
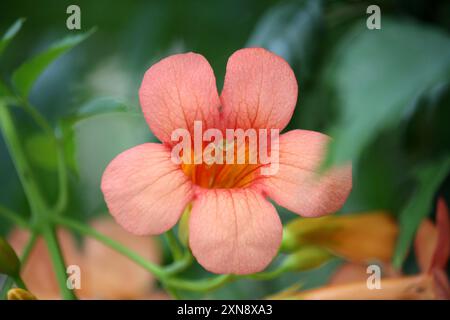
(233,228)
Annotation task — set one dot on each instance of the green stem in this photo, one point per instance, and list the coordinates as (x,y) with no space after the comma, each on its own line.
(63,195)
(13,217)
(179,265)
(200,285)
(88,231)
(20,161)
(269,274)
(58,262)
(19,282)
(173,245)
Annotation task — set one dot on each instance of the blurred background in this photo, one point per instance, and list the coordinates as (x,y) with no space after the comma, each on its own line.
(383,95)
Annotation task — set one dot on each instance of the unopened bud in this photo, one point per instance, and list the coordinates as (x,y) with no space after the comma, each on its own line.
(20,294)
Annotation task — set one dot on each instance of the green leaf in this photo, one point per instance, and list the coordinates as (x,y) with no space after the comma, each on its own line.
(9,262)
(99,139)
(42,151)
(10,34)
(101,105)
(419,206)
(376,74)
(290,30)
(91,108)
(25,76)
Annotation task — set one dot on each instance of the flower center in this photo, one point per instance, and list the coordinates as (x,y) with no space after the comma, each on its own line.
(226,175)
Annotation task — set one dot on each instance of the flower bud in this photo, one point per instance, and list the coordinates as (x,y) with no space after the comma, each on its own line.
(9,262)
(20,294)
(356,237)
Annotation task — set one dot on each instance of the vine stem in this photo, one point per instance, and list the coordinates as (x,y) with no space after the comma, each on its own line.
(200,285)
(13,217)
(59,266)
(20,162)
(39,208)
(173,245)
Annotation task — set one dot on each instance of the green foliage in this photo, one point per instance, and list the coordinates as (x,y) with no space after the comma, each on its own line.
(429,178)
(9,262)
(42,151)
(25,76)
(376,74)
(291,30)
(383,96)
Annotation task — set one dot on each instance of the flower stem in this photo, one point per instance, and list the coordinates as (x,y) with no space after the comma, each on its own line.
(13,217)
(20,161)
(19,282)
(200,285)
(179,265)
(58,262)
(173,245)
(39,209)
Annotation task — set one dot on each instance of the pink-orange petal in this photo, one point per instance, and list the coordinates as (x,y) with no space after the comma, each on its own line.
(432,242)
(176,91)
(144,190)
(298,186)
(234,231)
(260,90)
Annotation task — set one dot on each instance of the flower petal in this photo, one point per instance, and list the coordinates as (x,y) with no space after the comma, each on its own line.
(432,242)
(144,190)
(178,90)
(234,231)
(260,90)
(297,185)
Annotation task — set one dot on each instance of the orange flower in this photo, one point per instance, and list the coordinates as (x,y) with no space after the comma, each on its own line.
(233,228)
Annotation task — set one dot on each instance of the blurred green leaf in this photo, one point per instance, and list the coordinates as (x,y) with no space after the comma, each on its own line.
(101,105)
(429,178)
(9,262)
(376,74)
(427,134)
(290,30)
(42,151)
(100,138)
(25,76)
(10,34)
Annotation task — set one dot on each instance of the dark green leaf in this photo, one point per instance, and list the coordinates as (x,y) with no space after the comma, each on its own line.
(290,30)
(419,206)
(25,76)
(101,105)
(9,262)
(376,74)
